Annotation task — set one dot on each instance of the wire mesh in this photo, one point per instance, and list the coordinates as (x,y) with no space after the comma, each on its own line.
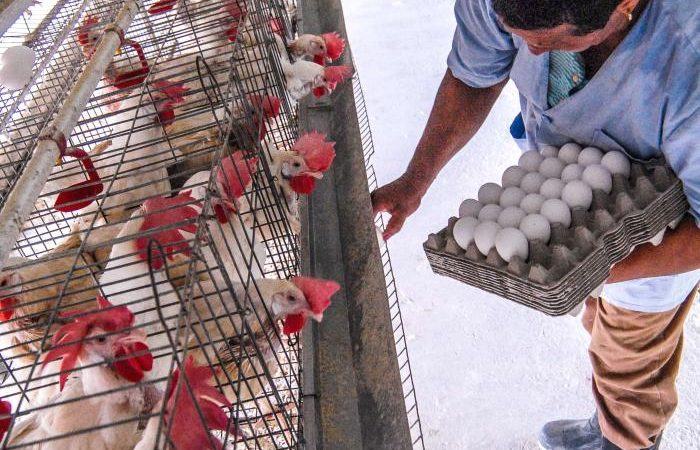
(394,306)
(173,130)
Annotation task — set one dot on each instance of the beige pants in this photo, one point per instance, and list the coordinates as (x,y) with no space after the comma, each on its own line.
(635,358)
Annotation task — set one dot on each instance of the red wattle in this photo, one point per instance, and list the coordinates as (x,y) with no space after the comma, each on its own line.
(294,323)
(6,305)
(302,184)
(319,91)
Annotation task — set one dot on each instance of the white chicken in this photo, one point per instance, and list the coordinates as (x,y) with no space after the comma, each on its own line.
(324,48)
(112,357)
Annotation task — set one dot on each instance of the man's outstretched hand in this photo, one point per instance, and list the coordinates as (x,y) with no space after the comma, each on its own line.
(400,199)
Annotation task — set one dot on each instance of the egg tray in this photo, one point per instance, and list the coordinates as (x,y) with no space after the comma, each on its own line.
(559,275)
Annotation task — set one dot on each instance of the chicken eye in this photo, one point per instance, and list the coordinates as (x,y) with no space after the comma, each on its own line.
(291,299)
(296,164)
(102,339)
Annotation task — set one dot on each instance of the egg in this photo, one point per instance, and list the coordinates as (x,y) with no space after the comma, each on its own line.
(16,65)
(577,194)
(616,162)
(511,242)
(511,216)
(485,236)
(511,196)
(512,176)
(470,208)
(556,211)
(569,152)
(489,212)
(598,177)
(532,203)
(532,182)
(552,188)
(489,193)
(552,167)
(590,156)
(530,161)
(549,151)
(571,172)
(463,231)
(536,227)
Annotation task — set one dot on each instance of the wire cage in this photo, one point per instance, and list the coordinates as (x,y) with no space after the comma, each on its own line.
(177,119)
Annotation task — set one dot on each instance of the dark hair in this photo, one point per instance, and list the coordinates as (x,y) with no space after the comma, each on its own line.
(585,15)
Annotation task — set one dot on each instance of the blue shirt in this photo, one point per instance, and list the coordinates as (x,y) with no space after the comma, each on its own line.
(644,100)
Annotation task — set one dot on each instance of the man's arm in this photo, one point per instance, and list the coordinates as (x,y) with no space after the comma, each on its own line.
(458,113)
(679,252)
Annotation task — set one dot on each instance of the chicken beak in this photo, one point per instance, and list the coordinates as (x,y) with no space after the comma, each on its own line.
(317,175)
(317,316)
(118,51)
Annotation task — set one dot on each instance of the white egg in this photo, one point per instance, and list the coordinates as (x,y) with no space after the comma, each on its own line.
(616,162)
(463,231)
(536,227)
(569,152)
(530,161)
(511,216)
(16,65)
(470,208)
(552,167)
(556,211)
(489,212)
(511,242)
(577,194)
(552,188)
(512,176)
(485,236)
(511,196)
(532,203)
(597,177)
(489,193)
(532,182)
(549,151)
(589,156)
(571,172)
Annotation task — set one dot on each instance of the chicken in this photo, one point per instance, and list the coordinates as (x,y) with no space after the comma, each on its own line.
(243,343)
(5,417)
(134,166)
(187,397)
(112,357)
(127,278)
(29,293)
(324,48)
(240,250)
(294,172)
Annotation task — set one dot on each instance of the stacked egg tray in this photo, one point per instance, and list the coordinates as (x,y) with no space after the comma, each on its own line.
(557,276)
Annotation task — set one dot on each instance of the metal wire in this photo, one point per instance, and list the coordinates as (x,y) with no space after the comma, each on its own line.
(210,300)
(394,306)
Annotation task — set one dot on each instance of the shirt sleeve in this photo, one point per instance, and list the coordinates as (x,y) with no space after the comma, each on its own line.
(682,151)
(482,52)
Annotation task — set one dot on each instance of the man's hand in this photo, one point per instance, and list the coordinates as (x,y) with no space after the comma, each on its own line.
(400,198)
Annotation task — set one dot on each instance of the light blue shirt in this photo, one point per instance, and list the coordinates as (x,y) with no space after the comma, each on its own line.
(644,100)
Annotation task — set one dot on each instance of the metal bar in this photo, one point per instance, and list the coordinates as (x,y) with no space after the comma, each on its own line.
(11,10)
(20,201)
(363,320)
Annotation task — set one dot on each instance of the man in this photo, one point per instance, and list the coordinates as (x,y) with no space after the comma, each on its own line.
(617,75)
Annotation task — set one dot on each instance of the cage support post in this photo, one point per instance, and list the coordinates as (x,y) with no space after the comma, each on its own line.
(352,384)
(20,201)
(10,10)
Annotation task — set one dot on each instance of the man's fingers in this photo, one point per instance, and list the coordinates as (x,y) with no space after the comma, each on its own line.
(378,205)
(394,226)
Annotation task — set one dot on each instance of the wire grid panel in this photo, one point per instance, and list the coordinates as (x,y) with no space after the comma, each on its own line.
(204,288)
(394,306)
(52,31)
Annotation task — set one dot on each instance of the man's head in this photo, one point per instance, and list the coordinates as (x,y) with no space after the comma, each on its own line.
(571,25)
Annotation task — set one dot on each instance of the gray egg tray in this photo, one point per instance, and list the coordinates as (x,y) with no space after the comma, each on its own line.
(559,275)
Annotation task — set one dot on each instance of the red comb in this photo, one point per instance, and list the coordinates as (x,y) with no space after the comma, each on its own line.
(81,194)
(84,30)
(187,432)
(235,174)
(269,104)
(316,151)
(335,45)
(336,74)
(277,26)
(161,6)
(6,310)
(162,212)
(173,93)
(302,184)
(68,340)
(5,417)
(318,293)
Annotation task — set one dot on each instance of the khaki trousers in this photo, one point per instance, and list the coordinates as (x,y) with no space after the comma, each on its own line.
(635,358)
